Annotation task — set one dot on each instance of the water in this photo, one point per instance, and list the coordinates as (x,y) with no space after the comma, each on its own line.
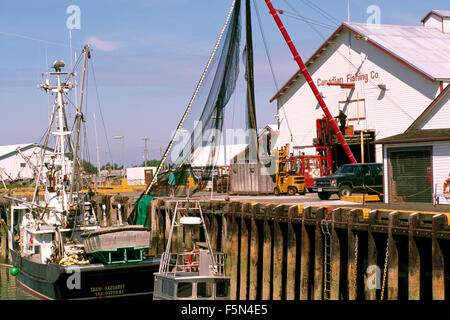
(9,287)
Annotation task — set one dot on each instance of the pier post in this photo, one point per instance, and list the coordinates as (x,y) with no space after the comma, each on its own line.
(3,241)
(371,290)
(160,222)
(234,252)
(267,255)
(304,259)
(278,256)
(291,244)
(413,259)
(352,263)
(254,250)
(244,252)
(335,257)
(318,256)
(213,232)
(393,267)
(154,227)
(438,275)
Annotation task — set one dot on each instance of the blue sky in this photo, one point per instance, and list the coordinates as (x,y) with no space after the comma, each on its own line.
(148,56)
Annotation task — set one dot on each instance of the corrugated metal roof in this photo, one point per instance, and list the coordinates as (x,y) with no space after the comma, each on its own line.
(442,13)
(426,49)
(4,150)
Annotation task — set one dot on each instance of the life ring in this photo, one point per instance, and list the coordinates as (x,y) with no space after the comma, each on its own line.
(191,264)
(447,187)
(316,172)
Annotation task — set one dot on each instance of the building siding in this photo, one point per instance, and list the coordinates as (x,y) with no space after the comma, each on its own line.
(388,112)
(441,168)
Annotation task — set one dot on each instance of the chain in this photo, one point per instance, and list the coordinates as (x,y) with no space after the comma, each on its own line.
(385,269)
(355,271)
(408,196)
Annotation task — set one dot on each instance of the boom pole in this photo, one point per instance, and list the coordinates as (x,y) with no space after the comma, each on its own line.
(307,76)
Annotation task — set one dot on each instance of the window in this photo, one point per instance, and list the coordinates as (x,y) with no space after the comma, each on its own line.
(167,287)
(204,289)
(222,287)
(22,164)
(184,289)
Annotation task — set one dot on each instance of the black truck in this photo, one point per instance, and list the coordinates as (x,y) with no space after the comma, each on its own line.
(350,178)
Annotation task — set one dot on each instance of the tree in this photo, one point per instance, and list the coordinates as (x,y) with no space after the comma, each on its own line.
(89,167)
(150,163)
(108,166)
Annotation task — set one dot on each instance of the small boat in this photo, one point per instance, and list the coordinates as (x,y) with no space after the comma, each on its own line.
(191,274)
(55,240)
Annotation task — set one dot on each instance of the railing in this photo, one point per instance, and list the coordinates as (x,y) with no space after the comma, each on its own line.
(175,263)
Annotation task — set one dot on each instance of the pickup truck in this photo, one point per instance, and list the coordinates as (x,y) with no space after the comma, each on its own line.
(350,178)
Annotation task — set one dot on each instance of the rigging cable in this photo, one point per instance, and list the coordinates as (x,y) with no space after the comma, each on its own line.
(271,66)
(322,12)
(101,113)
(357,68)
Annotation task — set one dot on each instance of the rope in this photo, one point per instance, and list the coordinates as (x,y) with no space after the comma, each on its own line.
(408,196)
(155,177)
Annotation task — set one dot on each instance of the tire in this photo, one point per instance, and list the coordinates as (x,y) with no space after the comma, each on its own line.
(324,195)
(345,191)
(292,191)
(276,191)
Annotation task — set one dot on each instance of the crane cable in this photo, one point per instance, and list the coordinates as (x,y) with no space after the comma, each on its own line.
(271,66)
(343,56)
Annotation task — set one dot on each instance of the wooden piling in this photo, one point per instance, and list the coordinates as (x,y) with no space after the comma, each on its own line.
(267,256)
(371,289)
(278,256)
(3,241)
(160,222)
(352,275)
(244,252)
(213,232)
(335,257)
(254,248)
(154,227)
(291,244)
(393,265)
(304,259)
(413,259)
(234,253)
(318,256)
(437,273)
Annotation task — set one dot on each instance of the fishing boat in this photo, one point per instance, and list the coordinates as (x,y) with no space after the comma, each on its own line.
(191,274)
(56,241)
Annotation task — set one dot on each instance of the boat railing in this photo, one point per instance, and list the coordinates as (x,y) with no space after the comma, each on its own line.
(190,262)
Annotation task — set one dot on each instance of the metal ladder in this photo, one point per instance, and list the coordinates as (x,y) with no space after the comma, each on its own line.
(165,257)
(325,227)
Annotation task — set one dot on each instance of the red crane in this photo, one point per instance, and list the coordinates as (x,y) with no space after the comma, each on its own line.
(313,87)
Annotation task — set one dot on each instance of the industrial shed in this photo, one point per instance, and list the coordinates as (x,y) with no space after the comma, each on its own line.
(15,167)
(381,77)
(417,162)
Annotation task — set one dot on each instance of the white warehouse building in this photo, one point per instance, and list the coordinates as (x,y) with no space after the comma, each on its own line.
(14,166)
(382,77)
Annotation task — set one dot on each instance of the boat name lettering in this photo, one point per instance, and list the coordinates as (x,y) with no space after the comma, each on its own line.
(109,290)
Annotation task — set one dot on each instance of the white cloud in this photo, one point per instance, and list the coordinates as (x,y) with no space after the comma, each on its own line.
(103,45)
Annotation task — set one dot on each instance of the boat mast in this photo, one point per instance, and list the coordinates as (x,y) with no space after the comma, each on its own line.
(79,117)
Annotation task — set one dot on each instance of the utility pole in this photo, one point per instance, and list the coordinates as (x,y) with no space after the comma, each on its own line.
(145,151)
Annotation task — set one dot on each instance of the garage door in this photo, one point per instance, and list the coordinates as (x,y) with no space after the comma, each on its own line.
(410,175)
